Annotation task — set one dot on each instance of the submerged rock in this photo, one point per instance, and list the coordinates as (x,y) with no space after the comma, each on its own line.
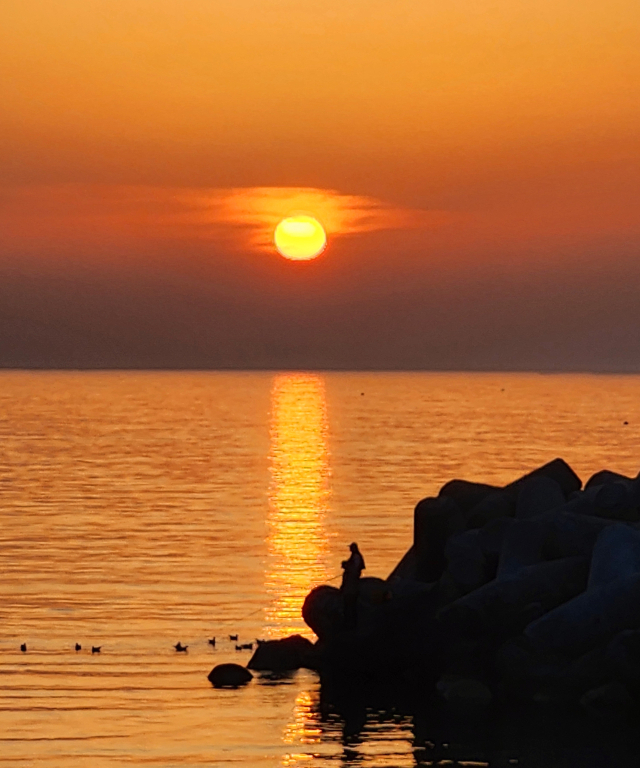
(229,676)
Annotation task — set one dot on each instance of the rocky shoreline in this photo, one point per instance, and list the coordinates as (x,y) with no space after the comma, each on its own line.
(529,593)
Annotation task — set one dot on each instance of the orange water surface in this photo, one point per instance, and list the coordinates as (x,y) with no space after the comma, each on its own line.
(142,509)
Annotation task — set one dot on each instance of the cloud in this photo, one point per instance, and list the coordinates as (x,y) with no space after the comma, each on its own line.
(72,215)
(258,210)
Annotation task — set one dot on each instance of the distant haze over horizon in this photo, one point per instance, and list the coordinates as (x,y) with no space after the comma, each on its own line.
(476,169)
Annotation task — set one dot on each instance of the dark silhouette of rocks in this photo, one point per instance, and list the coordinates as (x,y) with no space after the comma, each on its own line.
(525,593)
(284,655)
(229,676)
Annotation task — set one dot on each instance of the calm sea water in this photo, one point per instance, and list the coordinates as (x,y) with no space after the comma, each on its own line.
(142,509)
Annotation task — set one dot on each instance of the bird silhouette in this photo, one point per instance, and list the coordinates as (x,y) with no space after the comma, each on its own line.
(95,648)
(23,647)
(233,637)
(212,641)
(78,647)
(180,648)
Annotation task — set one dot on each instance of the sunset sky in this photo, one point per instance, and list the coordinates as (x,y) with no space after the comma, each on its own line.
(476,166)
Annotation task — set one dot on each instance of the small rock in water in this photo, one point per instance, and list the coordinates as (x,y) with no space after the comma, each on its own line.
(229,676)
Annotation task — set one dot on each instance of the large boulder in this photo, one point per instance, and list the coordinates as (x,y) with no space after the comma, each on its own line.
(284,655)
(323,611)
(229,676)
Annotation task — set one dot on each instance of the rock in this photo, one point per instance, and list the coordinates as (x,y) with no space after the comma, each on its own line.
(616,554)
(591,670)
(407,568)
(492,536)
(323,611)
(500,607)
(465,696)
(557,470)
(466,494)
(583,502)
(466,562)
(604,477)
(611,701)
(623,655)
(526,671)
(615,501)
(612,501)
(537,495)
(589,619)
(434,521)
(502,503)
(229,676)
(569,534)
(492,507)
(283,655)
(522,545)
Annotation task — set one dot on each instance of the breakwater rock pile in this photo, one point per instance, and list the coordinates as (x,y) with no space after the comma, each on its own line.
(529,592)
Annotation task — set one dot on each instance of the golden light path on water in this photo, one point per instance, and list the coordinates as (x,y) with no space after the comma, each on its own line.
(298,497)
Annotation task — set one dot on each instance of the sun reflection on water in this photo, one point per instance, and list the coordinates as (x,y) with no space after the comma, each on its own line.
(298,497)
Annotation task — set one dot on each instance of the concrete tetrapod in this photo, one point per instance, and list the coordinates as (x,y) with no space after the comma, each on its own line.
(591,618)
(499,606)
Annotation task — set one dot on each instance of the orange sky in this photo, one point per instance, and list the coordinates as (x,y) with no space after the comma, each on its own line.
(446,139)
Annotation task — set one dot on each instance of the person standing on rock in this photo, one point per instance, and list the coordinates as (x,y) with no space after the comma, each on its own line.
(353,567)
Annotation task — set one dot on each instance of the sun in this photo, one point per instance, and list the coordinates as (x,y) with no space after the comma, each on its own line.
(300,238)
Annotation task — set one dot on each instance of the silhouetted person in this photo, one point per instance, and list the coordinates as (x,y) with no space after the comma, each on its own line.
(23,647)
(78,647)
(353,567)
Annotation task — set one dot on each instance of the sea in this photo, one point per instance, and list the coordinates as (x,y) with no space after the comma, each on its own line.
(143,509)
